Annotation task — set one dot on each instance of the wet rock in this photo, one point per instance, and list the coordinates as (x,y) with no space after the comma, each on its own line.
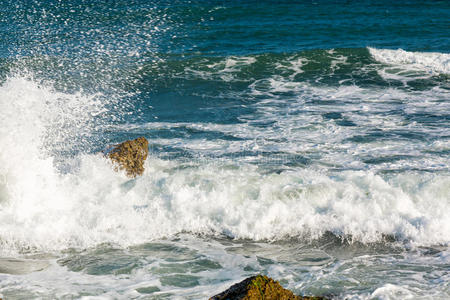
(257,288)
(130,156)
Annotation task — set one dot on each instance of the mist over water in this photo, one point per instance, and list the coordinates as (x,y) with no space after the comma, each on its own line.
(284,139)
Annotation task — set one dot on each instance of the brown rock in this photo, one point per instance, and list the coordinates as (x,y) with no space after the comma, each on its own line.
(257,288)
(130,156)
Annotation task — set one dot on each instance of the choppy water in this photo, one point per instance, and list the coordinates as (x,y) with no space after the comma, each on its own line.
(306,141)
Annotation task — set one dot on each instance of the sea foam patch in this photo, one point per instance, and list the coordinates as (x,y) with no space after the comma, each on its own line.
(431,62)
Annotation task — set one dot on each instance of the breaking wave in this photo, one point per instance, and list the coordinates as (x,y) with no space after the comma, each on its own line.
(44,206)
(430,62)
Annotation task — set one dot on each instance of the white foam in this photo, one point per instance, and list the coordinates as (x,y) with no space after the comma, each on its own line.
(296,124)
(430,62)
(97,205)
(90,204)
(36,123)
(226,70)
(390,291)
(293,65)
(123,273)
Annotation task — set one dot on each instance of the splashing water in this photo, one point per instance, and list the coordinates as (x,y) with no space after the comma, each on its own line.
(274,149)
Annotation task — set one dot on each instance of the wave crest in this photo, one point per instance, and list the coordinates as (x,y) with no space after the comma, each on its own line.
(430,62)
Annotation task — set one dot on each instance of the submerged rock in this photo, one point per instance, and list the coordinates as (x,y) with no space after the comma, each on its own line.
(257,288)
(130,156)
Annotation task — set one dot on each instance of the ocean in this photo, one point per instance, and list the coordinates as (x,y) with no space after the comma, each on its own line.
(305,140)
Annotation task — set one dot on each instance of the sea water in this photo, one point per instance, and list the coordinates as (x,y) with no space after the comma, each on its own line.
(308,141)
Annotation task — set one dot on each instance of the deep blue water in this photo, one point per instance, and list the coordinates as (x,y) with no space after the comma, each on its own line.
(306,140)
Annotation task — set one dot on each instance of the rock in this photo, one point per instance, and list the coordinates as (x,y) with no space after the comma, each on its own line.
(130,156)
(257,288)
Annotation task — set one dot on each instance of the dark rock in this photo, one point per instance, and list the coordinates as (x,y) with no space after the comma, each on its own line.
(130,156)
(257,288)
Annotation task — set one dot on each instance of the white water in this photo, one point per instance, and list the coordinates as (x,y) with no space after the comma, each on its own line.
(303,270)
(45,209)
(406,65)
(226,70)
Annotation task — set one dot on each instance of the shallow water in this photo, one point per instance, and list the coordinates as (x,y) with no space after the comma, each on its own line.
(308,141)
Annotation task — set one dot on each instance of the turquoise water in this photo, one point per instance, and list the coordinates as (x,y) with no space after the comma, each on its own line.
(307,141)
